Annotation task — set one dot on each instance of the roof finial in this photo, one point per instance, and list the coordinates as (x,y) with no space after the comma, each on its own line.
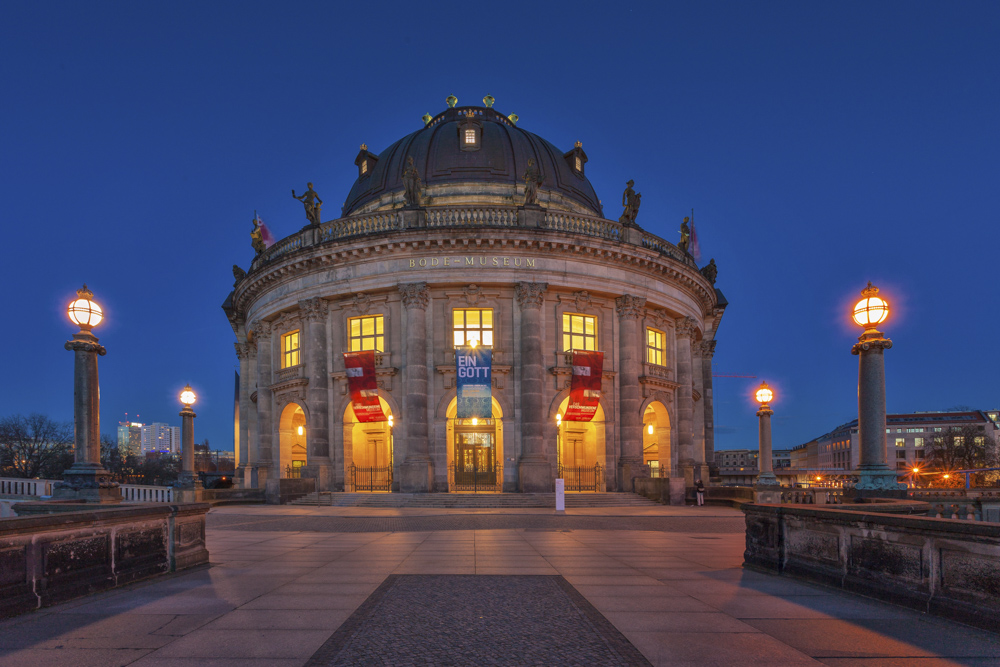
(513,118)
(488,101)
(451,100)
(364,147)
(427,119)
(578,144)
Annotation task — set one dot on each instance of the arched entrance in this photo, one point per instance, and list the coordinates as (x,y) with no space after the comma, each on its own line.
(368,451)
(292,435)
(656,439)
(475,452)
(580,451)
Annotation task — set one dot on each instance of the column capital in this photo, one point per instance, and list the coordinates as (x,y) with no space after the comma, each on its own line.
(78,345)
(260,329)
(530,295)
(314,309)
(879,344)
(765,411)
(415,295)
(630,307)
(242,350)
(685,327)
(707,348)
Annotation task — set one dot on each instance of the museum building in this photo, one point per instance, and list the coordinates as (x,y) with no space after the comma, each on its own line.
(472,230)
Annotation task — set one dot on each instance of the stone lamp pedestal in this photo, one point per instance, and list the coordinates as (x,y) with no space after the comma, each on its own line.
(767,489)
(188,487)
(87,480)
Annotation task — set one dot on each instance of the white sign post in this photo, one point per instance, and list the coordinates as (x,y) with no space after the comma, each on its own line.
(560,496)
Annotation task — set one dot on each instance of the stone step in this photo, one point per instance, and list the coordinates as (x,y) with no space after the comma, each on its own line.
(471,500)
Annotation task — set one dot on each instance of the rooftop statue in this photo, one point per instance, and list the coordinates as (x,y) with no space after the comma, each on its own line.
(411,184)
(312,203)
(630,200)
(257,237)
(685,236)
(238,273)
(532,179)
(710,271)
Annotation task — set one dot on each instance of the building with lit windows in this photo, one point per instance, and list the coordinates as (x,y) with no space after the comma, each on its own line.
(129,437)
(158,437)
(411,278)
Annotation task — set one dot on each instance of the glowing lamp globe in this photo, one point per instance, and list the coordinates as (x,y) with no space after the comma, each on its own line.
(188,396)
(84,311)
(872,309)
(764,394)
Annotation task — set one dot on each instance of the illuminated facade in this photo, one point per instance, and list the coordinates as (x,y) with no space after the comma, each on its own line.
(470,261)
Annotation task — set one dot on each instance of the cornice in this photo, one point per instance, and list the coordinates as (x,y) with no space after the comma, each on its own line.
(324,256)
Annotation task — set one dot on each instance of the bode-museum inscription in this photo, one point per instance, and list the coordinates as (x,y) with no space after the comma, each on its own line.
(474,260)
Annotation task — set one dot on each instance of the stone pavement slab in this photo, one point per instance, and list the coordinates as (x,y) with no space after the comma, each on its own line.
(668,579)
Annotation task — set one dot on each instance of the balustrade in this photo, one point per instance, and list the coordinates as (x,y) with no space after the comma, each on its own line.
(141,493)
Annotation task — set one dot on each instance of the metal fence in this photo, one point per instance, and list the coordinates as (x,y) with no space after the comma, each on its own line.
(583,478)
(472,480)
(371,478)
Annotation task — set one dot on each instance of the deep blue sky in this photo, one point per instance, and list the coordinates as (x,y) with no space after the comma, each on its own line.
(821,144)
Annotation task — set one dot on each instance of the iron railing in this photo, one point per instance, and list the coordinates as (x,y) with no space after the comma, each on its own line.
(293,473)
(371,478)
(473,480)
(583,478)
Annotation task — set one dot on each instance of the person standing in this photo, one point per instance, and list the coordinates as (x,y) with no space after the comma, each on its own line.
(699,492)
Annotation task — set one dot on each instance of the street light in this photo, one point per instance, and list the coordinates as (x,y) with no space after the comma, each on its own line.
(86,479)
(765,476)
(188,483)
(875,478)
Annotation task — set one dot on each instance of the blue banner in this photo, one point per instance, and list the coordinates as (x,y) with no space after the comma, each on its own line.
(474,369)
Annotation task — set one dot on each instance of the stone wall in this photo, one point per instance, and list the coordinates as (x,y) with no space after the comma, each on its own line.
(49,558)
(940,566)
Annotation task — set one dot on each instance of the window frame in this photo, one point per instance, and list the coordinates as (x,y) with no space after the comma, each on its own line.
(361,337)
(567,334)
(661,350)
(288,352)
(465,329)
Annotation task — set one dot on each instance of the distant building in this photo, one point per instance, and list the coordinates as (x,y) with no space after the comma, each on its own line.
(908,436)
(158,437)
(740,466)
(129,437)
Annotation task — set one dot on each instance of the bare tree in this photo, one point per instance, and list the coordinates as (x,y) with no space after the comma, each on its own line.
(35,446)
(967,448)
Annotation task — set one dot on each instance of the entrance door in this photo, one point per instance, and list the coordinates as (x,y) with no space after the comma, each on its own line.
(475,461)
(376,474)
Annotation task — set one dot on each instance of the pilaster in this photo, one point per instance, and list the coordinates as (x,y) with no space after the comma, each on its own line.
(630,309)
(417,470)
(534,472)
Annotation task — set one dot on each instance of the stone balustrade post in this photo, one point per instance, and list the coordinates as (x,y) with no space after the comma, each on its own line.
(417,470)
(318,464)
(630,347)
(534,472)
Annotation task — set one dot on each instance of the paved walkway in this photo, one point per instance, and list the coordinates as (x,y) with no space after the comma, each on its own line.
(284,579)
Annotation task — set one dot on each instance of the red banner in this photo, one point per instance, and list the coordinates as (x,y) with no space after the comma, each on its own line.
(585,387)
(364,389)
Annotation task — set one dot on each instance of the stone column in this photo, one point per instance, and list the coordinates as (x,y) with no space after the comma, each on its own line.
(875,477)
(416,473)
(629,392)
(766,490)
(187,488)
(534,473)
(707,352)
(87,480)
(243,436)
(253,442)
(318,463)
(685,328)
(265,436)
(698,371)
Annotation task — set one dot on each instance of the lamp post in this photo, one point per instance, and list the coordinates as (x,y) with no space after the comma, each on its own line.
(188,483)
(86,479)
(875,478)
(766,481)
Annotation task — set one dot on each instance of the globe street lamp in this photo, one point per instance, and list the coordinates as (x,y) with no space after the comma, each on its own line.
(188,483)
(86,479)
(765,478)
(875,478)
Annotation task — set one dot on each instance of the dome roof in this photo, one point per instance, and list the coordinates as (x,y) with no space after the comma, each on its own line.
(490,171)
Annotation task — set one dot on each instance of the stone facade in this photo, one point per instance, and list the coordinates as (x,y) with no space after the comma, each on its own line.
(531,269)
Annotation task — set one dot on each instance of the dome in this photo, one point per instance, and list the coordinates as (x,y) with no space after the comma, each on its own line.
(472,155)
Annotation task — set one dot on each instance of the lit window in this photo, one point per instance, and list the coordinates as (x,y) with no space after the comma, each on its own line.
(900,442)
(470,136)
(959,441)
(579,163)
(364,167)
(654,347)
(918,442)
(473,324)
(579,332)
(290,349)
(367,333)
